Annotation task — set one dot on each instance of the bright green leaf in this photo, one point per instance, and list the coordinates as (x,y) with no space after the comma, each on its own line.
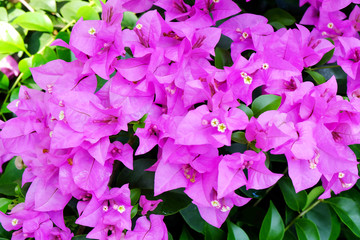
(69,10)
(279,15)
(10,179)
(14,94)
(4,81)
(318,78)
(38,60)
(24,67)
(295,201)
(49,54)
(35,21)
(10,39)
(14,13)
(129,20)
(235,232)
(272,227)
(247,110)
(306,229)
(265,103)
(87,13)
(4,203)
(48,5)
(134,210)
(135,195)
(239,137)
(348,211)
(313,195)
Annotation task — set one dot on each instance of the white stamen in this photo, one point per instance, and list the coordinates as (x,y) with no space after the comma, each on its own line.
(245,35)
(225,208)
(92,31)
(312,165)
(215,203)
(248,80)
(346,185)
(51,133)
(61,115)
(330,25)
(341,175)
(243,74)
(215,122)
(17,103)
(221,127)
(14,222)
(139,26)
(121,209)
(265,66)
(105,208)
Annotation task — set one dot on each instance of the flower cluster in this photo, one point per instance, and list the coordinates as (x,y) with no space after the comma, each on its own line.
(162,69)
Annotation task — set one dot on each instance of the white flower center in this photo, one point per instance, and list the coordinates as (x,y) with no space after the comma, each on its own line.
(245,35)
(265,66)
(61,115)
(92,31)
(225,208)
(14,222)
(248,80)
(215,122)
(105,208)
(139,26)
(221,127)
(121,209)
(330,25)
(215,203)
(341,175)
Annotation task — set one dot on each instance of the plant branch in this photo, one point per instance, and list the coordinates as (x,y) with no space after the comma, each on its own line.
(23,2)
(324,67)
(303,213)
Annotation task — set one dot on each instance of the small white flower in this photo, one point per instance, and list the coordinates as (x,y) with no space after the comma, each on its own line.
(92,31)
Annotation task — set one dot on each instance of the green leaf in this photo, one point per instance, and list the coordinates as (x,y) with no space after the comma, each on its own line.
(4,81)
(327,56)
(14,13)
(35,21)
(4,108)
(38,60)
(38,40)
(87,13)
(49,54)
(277,25)
(313,195)
(295,201)
(192,217)
(272,227)
(14,94)
(4,203)
(235,232)
(265,103)
(10,179)
(48,5)
(10,39)
(172,201)
(306,230)
(134,210)
(185,235)
(69,10)
(24,67)
(214,233)
(81,237)
(325,220)
(247,110)
(222,58)
(129,20)
(3,14)
(279,15)
(100,83)
(318,78)
(135,195)
(239,137)
(348,211)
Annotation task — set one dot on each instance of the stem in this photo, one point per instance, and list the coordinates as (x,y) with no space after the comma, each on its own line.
(324,67)
(23,2)
(17,81)
(303,213)
(67,26)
